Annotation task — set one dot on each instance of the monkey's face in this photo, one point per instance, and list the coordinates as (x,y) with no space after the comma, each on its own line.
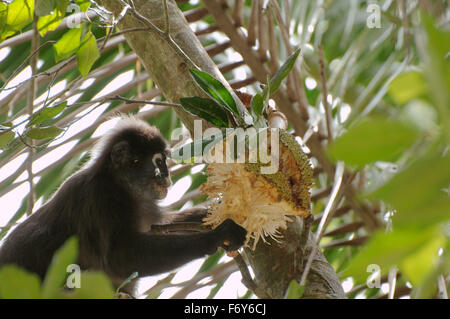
(161,177)
(142,168)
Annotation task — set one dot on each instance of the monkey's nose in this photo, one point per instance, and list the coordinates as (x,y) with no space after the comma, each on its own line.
(164,181)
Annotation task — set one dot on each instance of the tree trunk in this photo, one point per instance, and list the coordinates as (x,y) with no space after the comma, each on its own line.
(274,265)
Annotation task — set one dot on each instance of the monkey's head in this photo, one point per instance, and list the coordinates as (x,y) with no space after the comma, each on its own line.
(135,153)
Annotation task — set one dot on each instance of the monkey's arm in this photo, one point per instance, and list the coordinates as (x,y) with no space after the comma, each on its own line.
(154,254)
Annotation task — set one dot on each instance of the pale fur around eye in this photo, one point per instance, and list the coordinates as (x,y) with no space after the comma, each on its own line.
(156,157)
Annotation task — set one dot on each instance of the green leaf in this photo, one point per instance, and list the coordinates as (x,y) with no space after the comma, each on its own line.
(417,192)
(19,15)
(295,291)
(3,16)
(57,272)
(47,113)
(283,72)
(5,138)
(423,261)
(44,7)
(206,109)
(16,283)
(94,285)
(51,22)
(87,54)
(216,90)
(42,133)
(398,248)
(257,104)
(437,70)
(68,44)
(373,140)
(407,86)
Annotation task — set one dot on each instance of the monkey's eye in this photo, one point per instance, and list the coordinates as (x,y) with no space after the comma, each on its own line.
(157,159)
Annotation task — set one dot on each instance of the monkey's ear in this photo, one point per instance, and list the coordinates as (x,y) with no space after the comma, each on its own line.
(121,154)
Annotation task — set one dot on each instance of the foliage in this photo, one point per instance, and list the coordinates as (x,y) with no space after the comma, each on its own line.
(417,193)
(16,283)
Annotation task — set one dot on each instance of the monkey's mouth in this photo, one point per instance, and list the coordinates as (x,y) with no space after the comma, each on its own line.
(162,186)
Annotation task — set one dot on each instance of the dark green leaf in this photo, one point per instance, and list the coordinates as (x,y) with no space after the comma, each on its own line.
(87,54)
(216,90)
(206,109)
(47,113)
(16,283)
(283,72)
(41,133)
(373,140)
(5,138)
(57,272)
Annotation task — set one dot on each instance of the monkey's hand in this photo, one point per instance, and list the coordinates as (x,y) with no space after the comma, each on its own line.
(231,236)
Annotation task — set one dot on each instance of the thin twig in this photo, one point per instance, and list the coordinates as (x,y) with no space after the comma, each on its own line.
(30,103)
(246,276)
(19,68)
(392,279)
(176,227)
(442,287)
(323,77)
(166,18)
(128,101)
